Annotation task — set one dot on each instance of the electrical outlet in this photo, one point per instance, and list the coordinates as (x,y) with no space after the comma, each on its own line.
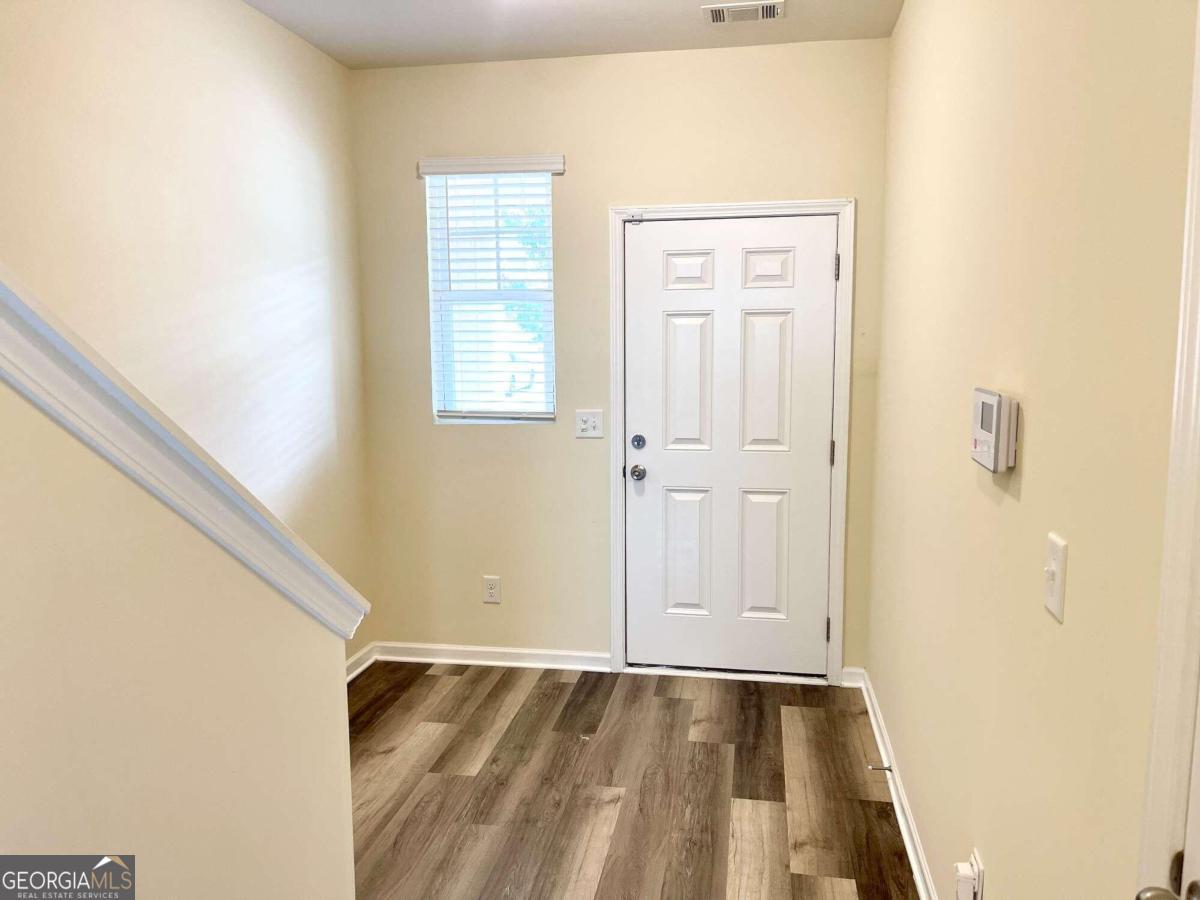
(589,423)
(968,878)
(491,588)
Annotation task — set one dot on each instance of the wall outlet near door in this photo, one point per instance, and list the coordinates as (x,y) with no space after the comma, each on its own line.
(968,878)
(589,423)
(491,588)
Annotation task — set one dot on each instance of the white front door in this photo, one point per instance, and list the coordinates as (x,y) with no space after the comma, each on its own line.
(729,365)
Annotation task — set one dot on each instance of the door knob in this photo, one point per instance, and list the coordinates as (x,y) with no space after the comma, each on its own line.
(1157,893)
(638,472)
(638,441)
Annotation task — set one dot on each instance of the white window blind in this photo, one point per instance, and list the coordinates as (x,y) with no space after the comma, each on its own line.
(491,295)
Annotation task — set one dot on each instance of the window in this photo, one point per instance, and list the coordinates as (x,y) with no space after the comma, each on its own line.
(491,293)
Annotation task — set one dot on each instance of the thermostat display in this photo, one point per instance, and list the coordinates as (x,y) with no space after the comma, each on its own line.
(994,430)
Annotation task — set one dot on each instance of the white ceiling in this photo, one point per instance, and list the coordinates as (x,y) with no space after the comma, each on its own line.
(368,33)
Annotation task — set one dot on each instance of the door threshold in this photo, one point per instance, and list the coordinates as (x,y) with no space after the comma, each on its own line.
(727,674)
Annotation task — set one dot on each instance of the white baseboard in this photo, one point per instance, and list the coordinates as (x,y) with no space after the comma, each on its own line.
(856,677)
(359,661)
(459,654)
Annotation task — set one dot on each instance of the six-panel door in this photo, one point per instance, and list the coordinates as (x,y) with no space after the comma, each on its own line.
(729,377)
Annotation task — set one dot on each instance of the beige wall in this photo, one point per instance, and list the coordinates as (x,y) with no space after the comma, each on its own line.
(177,187)
(529,502)
(158,698)
(1035,195)
(175,180)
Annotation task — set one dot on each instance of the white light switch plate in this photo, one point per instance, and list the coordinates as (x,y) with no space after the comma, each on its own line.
(589,423)
(1056,575)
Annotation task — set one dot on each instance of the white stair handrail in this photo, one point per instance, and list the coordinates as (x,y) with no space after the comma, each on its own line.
(53,368)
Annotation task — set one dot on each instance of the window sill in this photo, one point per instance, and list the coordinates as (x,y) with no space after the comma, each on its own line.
(494,420)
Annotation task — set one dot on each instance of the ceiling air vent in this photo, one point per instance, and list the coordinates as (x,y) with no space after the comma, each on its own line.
(722,13)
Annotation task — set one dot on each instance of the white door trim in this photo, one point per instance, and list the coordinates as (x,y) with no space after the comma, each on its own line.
(1169,776)
(843,334)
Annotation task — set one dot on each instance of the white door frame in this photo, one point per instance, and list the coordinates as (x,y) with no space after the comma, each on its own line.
(1169,778)
(844,298)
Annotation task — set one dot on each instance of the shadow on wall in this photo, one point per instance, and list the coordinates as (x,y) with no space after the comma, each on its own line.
(276,402)
(860,488)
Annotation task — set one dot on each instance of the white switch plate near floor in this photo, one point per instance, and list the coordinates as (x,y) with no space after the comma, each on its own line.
(589,423)
(491,588)
(1056,575)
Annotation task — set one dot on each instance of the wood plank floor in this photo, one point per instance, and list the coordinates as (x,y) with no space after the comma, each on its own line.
(478,781)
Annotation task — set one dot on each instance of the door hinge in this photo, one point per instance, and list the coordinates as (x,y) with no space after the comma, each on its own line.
(828,629)
(837,266)
(635,219)
(832,451)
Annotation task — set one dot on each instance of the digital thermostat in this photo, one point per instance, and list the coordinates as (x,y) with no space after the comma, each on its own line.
(994,430)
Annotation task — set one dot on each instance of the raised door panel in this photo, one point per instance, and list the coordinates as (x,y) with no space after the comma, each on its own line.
(769,267)
(688,270)
(766,379)
(763,556)
(687,380)
(687,551)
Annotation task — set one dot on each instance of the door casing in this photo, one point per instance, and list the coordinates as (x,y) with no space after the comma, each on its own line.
(1172,789)
(843,339)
